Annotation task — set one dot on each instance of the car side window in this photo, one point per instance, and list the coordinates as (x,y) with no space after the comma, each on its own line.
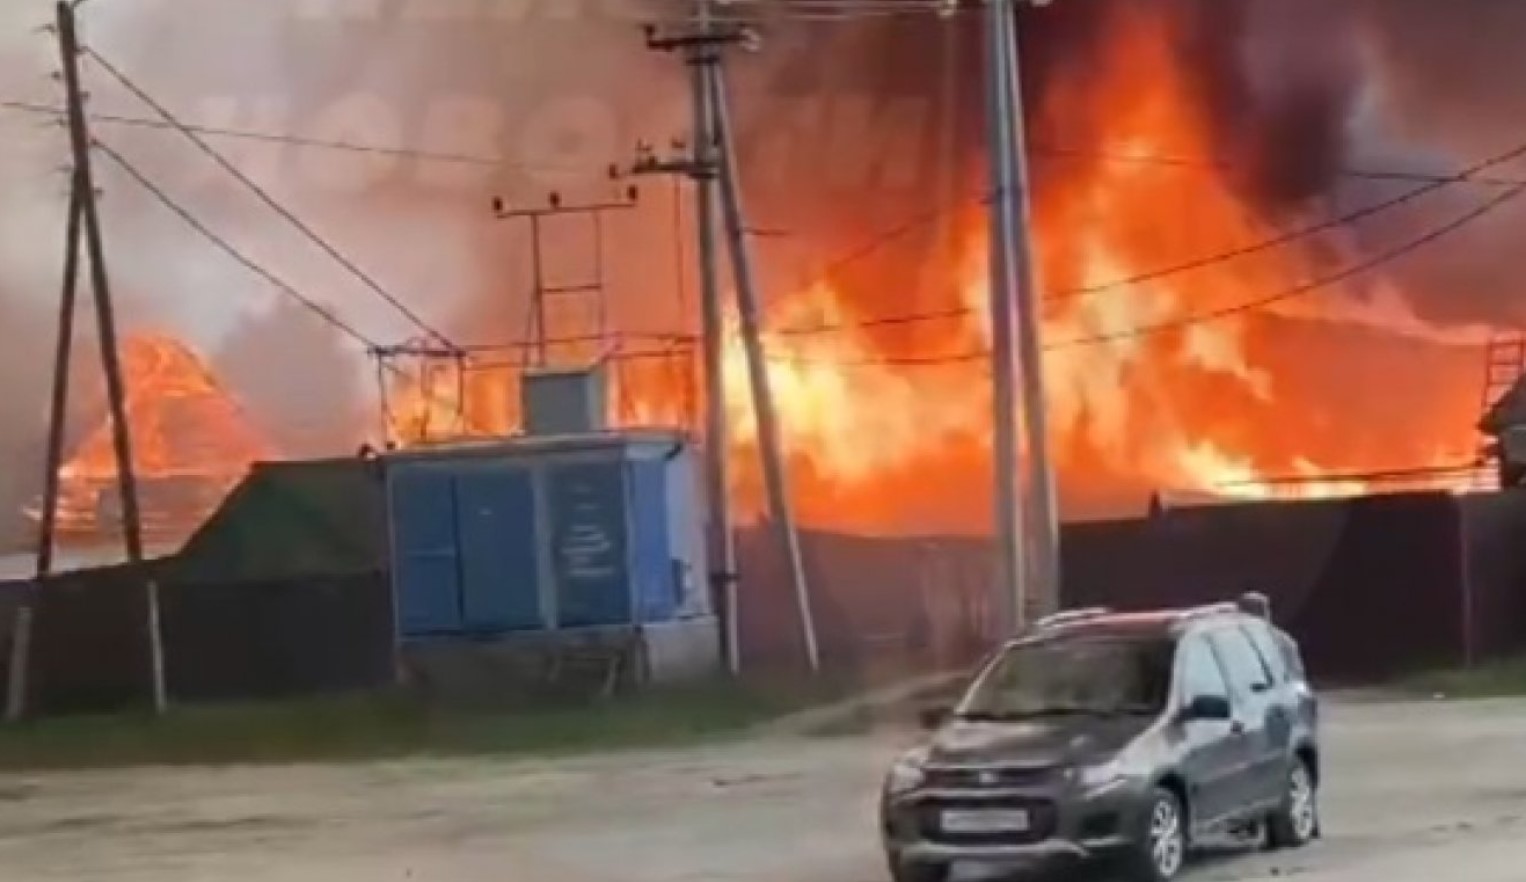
(1198,671)
(1247,673)
(1266,647)
(1290,654)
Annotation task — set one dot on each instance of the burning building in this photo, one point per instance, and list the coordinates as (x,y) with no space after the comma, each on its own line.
(191,443)
(1205,329)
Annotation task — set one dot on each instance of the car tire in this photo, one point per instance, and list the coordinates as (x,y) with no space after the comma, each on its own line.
(917,871)
(1159,853)
(1295,823)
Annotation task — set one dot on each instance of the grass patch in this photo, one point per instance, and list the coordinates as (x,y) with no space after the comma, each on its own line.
(375,727)
(1498,679)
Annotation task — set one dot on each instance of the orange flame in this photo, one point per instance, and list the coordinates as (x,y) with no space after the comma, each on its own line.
(1201,406)
(190,445)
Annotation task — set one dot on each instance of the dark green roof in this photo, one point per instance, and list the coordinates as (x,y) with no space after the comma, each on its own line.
(293,520)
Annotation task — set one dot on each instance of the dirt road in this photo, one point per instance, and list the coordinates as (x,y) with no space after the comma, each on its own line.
(1417,792)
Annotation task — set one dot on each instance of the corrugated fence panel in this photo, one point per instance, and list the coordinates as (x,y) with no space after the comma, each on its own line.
(281,639)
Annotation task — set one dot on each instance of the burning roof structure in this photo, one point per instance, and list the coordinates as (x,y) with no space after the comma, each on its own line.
(191,444)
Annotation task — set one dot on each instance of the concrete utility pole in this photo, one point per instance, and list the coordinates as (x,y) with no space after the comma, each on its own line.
(703,50)
(1028,583)
(775,469)
(1003,305)
(83,203)
(702,168)
(1043,496)
(723,551)
(538,355)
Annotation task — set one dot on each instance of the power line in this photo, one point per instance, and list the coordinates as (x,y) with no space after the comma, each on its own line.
(270,201)
(294,140)
(284,287)
(1498,200)
(1187,321)
(229,249)
(1467,175)
(1039,151)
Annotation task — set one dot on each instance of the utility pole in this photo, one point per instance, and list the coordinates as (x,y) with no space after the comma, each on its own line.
(702,169)
(703,50)
(21,635)
(116,392)
(1004,236)
(1043,595)
(538,355)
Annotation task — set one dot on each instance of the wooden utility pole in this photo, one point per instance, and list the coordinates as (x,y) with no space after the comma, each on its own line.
(85,218)
(21,633)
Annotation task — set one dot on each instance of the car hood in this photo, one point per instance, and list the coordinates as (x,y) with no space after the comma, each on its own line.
(1037,742)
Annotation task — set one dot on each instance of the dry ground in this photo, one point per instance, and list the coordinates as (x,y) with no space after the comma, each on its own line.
(1416,792)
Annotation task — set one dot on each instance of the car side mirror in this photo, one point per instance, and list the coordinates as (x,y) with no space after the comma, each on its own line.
(1207,707)
(932,718)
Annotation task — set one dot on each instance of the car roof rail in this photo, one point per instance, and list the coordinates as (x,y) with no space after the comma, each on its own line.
(1210,609)
(1071,615)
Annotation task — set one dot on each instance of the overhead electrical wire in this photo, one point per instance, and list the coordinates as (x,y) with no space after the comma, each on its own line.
(1039,151)
(1193,319)
(836,6)
(1467,175)
(222,244)
(270,201)
(746,11)
(325,313)
(274,138)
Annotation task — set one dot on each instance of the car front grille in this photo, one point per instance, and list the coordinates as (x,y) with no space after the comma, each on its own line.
(993,778)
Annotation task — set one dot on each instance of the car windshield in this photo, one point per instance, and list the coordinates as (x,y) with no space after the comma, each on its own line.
(1073,675)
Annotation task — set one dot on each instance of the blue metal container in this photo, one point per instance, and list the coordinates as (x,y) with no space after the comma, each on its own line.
(544,534)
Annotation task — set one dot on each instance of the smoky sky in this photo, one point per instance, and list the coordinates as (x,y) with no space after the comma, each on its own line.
(1446,82)
(846,131)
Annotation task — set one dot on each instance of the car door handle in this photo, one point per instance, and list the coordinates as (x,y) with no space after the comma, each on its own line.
(1237,728)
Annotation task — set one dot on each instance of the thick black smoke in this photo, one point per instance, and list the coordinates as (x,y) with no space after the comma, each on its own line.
(1275,83)
(1446,88)
(1278,81)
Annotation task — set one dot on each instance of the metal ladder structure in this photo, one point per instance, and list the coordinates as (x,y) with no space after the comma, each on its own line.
(1504,365)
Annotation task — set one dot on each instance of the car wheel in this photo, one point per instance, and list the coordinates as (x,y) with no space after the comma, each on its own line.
(1296,821)
(1160,852)
(917,871)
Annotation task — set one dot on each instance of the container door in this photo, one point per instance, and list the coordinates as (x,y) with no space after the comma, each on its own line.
(426,576)
(652,562)
(500,587)
(589,544)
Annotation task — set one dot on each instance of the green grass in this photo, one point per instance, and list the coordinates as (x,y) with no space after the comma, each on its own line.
(380,727)
(1496,679)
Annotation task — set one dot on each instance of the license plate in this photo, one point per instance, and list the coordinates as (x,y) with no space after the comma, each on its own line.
(985,821)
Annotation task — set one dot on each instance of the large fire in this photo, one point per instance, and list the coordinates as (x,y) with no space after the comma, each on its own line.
(871,419)
(191,444)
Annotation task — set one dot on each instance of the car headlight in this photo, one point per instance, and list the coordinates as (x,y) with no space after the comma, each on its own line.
(1098,776)
(906,773)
